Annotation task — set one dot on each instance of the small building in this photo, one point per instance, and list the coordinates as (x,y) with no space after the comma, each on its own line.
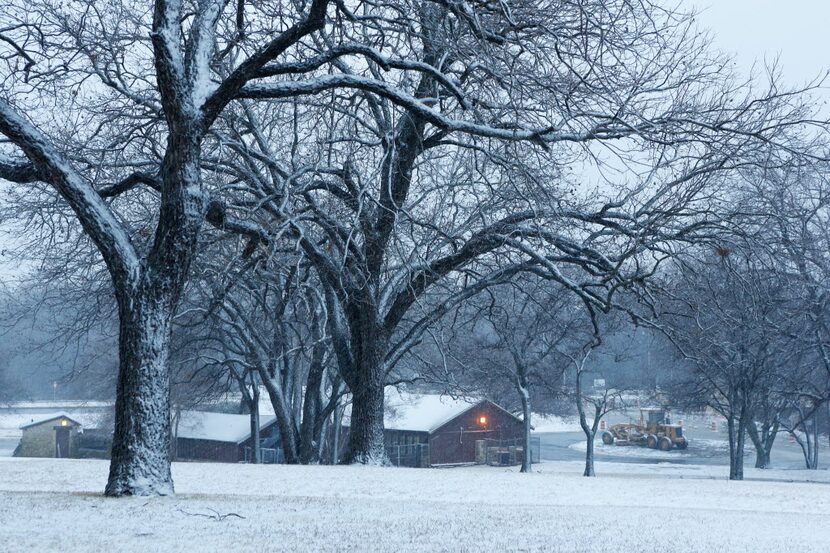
(423,430)
(224,438)
(54,436)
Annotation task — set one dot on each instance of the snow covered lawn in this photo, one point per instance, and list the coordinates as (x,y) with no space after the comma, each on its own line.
(55,505)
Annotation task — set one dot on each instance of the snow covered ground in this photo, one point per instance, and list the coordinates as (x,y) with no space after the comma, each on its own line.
(55,505)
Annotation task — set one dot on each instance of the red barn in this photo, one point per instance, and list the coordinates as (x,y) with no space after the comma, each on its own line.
(222,437)
(422,430)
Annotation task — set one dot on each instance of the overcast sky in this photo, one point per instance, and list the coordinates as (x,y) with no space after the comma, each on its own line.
(794,30)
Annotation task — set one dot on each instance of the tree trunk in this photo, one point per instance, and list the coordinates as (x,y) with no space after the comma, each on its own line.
(809,445)
(140,462)
(526,459)
(311,425)
(255,439)
(762,441)
(366,445)
(589,458)
(147,301)
(366,382)
(337,427)
(589,432)
(737,437)
(285,421)
(730,431)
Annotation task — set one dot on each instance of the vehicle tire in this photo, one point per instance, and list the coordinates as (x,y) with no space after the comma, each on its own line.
(651,441)
(607,438)
(665,444)
(683,443)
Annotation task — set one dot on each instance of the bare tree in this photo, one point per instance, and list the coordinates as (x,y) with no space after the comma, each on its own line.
(730,318)
(592,402)
(175,123)
(792,220)
(419,177)
(506,337)
(265,322)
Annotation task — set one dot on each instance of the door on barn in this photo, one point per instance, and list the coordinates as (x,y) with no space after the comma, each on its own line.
(61,442)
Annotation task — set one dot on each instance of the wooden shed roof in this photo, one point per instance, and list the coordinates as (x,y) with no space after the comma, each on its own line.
(423,412)
(218,427)
(50,418)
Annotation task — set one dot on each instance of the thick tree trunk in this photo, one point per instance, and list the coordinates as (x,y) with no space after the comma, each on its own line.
(762,457)
(739,453)
(140,462)
(366,382)
(762,441)
(737,438)
(366,445)
(311,424)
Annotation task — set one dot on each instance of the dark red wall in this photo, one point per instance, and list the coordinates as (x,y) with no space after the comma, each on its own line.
(455,441)
(207,450)
(222,452)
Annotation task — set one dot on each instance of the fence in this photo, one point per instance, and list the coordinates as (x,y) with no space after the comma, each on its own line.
(408,455)
(267,455)
(491,452)
(506,452)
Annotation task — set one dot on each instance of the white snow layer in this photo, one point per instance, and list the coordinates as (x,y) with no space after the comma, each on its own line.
(10,422)
(55,505)
(219,427)
(418,412)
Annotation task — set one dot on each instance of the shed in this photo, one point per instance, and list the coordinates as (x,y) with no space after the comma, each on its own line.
(422,430)
(223,437)
(54,435)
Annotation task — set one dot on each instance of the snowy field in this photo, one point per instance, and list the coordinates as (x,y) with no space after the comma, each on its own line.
(55,505)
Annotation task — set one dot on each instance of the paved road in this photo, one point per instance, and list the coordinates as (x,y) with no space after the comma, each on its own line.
(557,447)
(705,448)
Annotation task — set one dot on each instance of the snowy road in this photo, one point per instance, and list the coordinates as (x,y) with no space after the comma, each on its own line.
(570,446)
(706,448)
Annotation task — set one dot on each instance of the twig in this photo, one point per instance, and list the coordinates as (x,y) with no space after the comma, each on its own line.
(217,516)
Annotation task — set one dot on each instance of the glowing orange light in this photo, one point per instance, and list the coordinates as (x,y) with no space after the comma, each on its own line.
(482,421)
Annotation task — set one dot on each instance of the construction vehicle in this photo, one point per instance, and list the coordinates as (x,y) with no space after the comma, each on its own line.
(653,430)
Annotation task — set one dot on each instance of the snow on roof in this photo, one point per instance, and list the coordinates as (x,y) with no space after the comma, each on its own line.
(50,417)
(217,427)
(419,412)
